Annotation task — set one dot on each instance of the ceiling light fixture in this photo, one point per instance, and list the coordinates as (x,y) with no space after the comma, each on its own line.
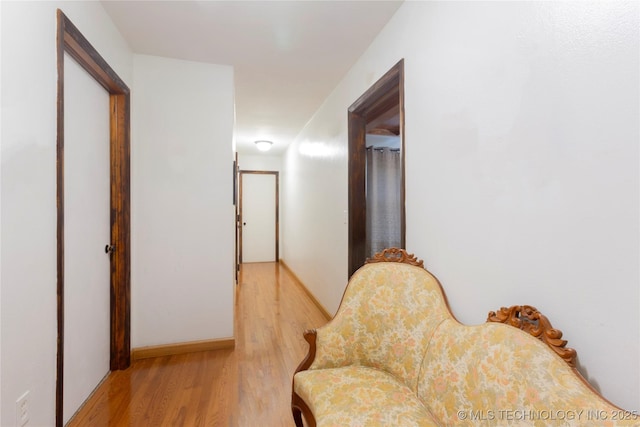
(264,145)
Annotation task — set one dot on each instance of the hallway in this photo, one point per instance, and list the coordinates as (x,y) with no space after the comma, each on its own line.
(249,385)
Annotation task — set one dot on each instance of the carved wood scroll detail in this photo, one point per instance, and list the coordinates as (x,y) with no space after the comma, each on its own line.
(395,255)
(529,319)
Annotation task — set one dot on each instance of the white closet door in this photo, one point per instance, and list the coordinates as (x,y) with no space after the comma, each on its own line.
(86,232)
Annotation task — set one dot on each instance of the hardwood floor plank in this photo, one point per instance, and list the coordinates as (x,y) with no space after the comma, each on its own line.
(249,385)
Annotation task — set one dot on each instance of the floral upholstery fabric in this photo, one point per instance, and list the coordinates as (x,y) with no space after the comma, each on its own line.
(497,375)
(358,396)
(385,321)
(394,356)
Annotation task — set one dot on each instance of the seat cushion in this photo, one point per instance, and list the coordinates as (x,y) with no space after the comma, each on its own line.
(385,321)
(359,396)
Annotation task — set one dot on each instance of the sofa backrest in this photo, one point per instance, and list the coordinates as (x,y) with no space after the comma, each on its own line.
(499,375)
(385,320)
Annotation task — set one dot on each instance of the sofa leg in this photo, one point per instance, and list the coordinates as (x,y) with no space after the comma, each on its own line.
(297,417)
(300,410)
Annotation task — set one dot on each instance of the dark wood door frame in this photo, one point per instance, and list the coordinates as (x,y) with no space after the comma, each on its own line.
(71,41)
(277,175)
(386,94)
(236,218)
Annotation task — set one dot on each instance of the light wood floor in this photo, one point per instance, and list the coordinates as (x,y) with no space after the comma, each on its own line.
(247,386)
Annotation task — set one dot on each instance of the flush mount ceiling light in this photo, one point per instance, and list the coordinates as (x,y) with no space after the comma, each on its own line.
(264,145)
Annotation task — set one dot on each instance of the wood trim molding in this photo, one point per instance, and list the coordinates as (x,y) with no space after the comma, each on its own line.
(70,40)
(315,301)
(182,348)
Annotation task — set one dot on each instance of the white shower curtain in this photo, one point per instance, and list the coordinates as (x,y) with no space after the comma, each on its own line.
(383,193)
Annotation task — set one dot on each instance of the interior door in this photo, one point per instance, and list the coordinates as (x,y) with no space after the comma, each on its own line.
(236,218)
(259,217)
(86,233)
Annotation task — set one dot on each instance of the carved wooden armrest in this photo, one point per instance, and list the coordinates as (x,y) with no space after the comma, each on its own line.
(529,319)
(395,255)
(310,336)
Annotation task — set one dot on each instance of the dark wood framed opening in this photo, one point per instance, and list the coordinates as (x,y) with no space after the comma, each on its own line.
(240,221)
(371,109)
(71,41)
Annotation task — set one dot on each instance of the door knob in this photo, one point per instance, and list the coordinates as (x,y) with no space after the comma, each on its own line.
(108,249)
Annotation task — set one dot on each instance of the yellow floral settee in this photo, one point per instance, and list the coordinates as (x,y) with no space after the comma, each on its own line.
(394,355)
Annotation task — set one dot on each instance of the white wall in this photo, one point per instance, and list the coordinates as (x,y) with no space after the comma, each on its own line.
(28,192)
(259,162)
(314,202)
(182,211)
(522,163)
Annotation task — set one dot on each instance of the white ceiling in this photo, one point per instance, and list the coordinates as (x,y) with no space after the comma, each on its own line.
(287,55)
